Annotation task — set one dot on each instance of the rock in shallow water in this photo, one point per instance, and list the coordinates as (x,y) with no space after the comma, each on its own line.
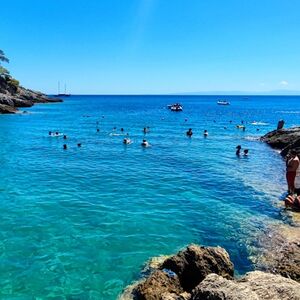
(195,280)
(194,263)
(177,275)
(254,286)
(158,285)
(280,251)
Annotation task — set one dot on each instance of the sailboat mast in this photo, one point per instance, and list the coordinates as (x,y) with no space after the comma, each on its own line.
(58,88)
(65,89)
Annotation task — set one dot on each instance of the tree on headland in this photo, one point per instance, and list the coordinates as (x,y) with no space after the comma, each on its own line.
(4,73)
(3,58)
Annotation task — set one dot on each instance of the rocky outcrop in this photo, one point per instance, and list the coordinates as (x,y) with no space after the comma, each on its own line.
(13,96)
(176,276)
(191,275)
(158,285)
(283,139)
(7,109)
(254,286)
(194,263)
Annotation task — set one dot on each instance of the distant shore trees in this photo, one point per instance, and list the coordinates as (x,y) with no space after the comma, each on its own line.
(4,73)
(3,58)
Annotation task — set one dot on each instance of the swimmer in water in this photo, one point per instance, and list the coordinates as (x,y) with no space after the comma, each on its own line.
(50,132)
(189,133)
(145,143)
(205,133)
(98,129)
(146,130)
(238,150)
(79,145)
(127,141)
(246,151)
(65,137)
(122,129)
(65,147)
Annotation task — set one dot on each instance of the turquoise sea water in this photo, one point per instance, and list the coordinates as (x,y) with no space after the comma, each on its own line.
(80,223)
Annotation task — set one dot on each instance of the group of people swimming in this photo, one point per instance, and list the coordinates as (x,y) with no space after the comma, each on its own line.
(293,180)
(189,133)
(128,141)
(238,151)
(58,134)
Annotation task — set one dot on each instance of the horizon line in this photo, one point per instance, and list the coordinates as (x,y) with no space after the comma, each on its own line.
(184,94)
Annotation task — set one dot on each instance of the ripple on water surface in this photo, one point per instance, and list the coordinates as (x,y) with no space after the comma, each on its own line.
(79,224)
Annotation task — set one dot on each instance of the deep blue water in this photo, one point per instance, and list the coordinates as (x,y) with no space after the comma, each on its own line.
(80,223)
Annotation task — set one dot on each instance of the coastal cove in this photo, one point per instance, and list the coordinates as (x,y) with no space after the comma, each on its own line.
(82,222)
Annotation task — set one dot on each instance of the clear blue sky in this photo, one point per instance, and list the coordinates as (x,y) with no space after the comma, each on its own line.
(153,46)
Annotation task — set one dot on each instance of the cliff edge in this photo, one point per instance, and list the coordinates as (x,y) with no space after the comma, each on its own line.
(13,96)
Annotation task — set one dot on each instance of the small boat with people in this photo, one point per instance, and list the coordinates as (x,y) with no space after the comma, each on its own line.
(175,107)
(223,102)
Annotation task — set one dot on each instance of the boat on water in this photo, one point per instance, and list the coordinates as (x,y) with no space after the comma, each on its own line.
(65,94)
(223,102)
(175,107)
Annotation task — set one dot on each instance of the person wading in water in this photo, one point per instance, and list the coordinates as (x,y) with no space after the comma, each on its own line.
(292,164)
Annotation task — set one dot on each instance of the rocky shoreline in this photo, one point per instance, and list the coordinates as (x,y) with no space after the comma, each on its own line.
(206,273)
(283,139)
(13,96)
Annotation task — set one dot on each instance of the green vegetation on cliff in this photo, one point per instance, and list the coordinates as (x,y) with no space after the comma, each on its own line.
(3,71)
(12,95)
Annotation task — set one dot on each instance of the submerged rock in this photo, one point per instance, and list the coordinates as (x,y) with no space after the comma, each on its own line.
(280,252)
(254,286)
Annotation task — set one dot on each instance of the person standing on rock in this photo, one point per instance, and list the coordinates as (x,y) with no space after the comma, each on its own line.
(292,164)
(280,124)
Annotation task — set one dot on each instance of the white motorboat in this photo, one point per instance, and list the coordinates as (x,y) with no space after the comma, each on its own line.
(175,107)
(223,102)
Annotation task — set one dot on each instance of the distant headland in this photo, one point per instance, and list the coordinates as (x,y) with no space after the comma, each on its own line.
(13,96)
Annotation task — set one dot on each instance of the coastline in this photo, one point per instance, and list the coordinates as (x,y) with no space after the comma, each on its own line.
(278,260)
(279,159)
(13,97)
(206,273)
